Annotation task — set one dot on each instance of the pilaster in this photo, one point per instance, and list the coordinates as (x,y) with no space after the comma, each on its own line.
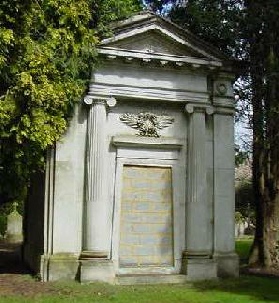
(224,204)
(95,263)
(97,209)
(197,257)
(223,177)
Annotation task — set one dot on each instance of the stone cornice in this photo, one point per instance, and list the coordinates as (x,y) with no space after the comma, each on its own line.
(166,32)
(147,20)
(209,109)
(226,111)
(129,56)
(192,104)
(147,142)
(102,91)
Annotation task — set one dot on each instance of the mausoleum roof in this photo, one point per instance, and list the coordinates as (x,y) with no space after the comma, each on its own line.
(148,37)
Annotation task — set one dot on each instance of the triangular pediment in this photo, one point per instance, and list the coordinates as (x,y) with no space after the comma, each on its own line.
(153,41)
(151,36)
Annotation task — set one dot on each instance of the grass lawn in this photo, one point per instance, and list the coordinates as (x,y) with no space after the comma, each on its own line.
(242,247)
(246,289)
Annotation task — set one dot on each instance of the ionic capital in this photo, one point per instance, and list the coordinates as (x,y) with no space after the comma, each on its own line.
(190,108)
(91,100)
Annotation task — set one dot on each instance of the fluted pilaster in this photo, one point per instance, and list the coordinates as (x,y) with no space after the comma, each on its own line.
(198,233)
(97,222)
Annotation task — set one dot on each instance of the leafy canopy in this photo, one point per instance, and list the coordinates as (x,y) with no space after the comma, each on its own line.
(47,52)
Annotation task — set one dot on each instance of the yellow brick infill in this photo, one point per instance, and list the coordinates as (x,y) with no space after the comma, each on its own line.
(146,236)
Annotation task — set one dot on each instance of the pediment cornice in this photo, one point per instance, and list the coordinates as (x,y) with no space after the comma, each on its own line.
(162,59)
(148,37)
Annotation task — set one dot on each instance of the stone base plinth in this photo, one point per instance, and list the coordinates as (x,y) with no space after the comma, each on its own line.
(227,265)
(59,267)
(199,269)
(92,270)
(150,279)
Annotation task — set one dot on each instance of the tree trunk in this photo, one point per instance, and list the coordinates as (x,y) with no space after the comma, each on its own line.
(257,252)
(265,101)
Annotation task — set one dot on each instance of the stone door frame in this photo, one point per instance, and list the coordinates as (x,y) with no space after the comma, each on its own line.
(161,157)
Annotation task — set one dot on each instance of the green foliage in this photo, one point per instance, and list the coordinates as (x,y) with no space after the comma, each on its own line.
(262,34)
(243,247)
(3,223)
(159,5)
(238,217)
(241,156)
(111,10)
(47,52)
(217,22)
(244,198)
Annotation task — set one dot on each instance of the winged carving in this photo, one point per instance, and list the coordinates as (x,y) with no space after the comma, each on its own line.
(147,123)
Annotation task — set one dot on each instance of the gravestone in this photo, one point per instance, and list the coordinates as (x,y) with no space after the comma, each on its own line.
(14,226)
(240,228)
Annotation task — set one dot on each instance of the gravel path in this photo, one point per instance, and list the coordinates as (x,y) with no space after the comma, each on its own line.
(15,278)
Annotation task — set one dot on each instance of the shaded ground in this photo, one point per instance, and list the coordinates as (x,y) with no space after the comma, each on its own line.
(15,278)
(262,272)
(10,261)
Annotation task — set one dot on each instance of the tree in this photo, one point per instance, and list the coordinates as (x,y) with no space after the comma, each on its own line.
(264,69)
(47,52)
(217,22)
(250,30)
(157,5)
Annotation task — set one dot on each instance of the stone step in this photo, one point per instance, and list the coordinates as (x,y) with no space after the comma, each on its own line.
(133,279)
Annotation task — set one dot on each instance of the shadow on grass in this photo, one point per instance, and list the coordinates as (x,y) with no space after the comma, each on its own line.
(264,288)
(10,259)
(257,288)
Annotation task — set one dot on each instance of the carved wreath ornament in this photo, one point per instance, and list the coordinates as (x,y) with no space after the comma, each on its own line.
(147,124)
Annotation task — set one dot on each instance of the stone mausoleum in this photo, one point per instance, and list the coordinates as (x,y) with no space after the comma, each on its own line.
(141,187)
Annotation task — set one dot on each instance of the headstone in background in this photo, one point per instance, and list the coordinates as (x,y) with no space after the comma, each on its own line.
(14,226)
(240,228)
(244,228)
